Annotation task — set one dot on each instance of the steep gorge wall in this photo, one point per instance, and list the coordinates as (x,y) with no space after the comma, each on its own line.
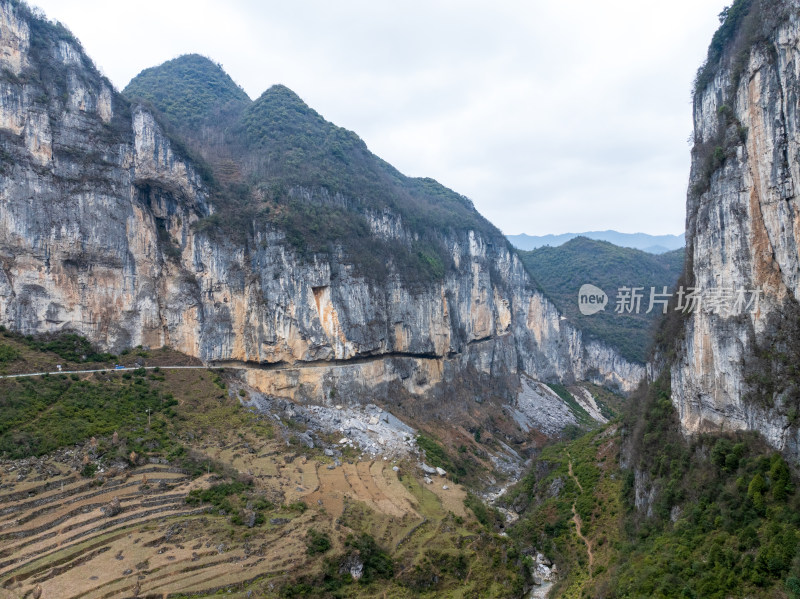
(96,212)
(736,372)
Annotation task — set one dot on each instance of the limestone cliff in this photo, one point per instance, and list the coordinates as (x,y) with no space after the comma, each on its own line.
(98,214)
(736,368)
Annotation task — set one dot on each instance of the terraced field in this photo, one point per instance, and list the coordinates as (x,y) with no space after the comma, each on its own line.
(133,534)
(63,533)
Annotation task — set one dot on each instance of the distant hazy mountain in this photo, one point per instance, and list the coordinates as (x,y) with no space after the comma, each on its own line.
(653,244)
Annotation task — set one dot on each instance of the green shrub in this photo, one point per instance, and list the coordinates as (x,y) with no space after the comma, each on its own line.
(460,465)
(297,506)
(40,414)
(8,354)
(488,516)
(377,562)
(217,495)
(69,346)
(317,542)
(434,453)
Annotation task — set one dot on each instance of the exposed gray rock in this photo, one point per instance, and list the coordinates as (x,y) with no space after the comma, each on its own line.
(305,438)
(427,469)
(389,436)
(556,487)
(352,565)
(112,508)
(743,232)
(539,407)
(587,401)
(544,574)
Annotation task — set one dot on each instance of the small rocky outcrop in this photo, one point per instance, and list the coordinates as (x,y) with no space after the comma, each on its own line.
(112,508)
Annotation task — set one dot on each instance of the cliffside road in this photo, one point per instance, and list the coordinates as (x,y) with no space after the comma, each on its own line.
(578,524)
(233,365)
(28,374)
(226,366)
(212,366)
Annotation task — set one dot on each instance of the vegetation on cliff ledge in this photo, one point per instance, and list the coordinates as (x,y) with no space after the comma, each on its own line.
(743,25)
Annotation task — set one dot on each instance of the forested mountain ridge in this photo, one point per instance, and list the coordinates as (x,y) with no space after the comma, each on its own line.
(261,153)
(626,326)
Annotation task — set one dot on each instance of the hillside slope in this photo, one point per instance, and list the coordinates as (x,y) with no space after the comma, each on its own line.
(637,510)
(183,482)
(279,163)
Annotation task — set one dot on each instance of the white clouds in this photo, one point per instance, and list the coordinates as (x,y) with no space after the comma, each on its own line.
(551,116)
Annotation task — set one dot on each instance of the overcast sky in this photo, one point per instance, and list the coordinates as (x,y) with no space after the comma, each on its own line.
(551,116)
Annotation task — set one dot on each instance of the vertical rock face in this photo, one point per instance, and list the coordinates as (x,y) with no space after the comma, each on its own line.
(97,206)
(736,371)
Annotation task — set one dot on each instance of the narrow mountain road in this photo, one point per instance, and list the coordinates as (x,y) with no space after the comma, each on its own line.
(212,366)
(578,523)
(28,374)
(232,365)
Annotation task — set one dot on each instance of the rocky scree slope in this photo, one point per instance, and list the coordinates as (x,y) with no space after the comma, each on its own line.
(111,227)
